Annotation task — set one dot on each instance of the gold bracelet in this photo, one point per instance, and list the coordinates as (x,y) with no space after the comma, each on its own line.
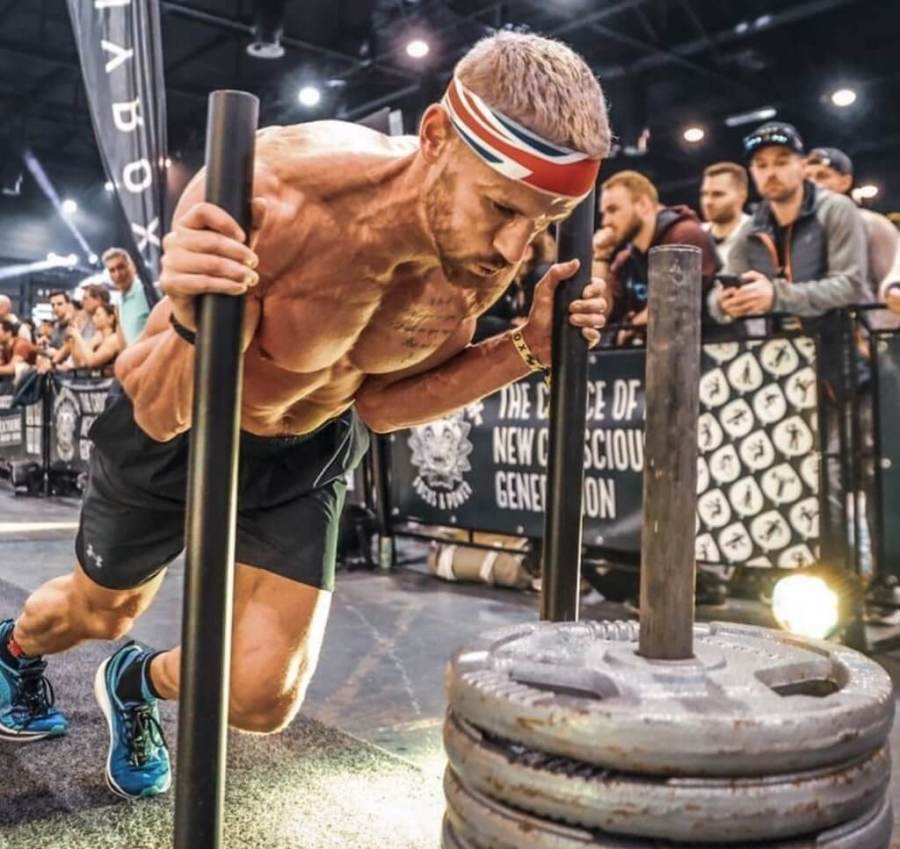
(528,357)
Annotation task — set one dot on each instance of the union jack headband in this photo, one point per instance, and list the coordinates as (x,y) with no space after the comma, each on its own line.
(516,152)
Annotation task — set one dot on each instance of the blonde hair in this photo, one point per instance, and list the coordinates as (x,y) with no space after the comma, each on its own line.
(636,184)
(737,172)
(544,85)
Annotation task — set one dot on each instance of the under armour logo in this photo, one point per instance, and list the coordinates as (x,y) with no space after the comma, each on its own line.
(98,560)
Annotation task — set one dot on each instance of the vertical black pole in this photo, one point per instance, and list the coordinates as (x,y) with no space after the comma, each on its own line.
(212,496)
(668,524)
(568,402)
(47,392)
(380,454)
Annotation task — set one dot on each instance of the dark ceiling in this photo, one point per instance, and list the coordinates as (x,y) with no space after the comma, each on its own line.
(663,63)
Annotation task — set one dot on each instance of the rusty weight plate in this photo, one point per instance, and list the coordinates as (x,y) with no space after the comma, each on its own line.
(707,810)
(474,821)
(751,702)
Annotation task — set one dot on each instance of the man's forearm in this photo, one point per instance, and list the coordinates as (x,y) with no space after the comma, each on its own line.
(475,372)
(157,374)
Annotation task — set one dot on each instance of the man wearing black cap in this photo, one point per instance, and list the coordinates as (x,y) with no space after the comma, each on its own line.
(805,251)
(805,255)
(830,168)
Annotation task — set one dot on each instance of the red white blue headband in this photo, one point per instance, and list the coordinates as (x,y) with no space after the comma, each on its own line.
(516,152)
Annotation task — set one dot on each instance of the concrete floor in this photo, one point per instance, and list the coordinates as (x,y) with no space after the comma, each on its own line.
(380,681)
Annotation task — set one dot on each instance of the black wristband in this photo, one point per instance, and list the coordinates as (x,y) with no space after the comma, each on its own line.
(189,336)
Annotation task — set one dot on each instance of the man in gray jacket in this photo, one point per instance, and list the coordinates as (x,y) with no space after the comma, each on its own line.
(805,251)
(804,255)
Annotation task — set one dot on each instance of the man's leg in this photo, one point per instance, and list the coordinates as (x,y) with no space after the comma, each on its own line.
(278,628)
(60,614)
(68,610)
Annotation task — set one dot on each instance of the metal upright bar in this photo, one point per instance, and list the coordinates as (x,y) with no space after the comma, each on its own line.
(561,567)
(672,403)
(212,498)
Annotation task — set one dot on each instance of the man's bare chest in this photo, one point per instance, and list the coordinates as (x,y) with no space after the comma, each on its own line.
(374,328)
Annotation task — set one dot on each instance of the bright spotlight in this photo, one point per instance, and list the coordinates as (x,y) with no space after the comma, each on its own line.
(109,186)
(806,605)
(844,97)
(417,49)
(93,258)
(694,135)
(868,191)
(71,260)
(309,96)
(69,207)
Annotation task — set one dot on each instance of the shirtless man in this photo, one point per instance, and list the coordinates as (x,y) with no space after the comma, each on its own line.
(370,261)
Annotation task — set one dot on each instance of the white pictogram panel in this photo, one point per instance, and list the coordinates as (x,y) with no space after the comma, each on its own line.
(709,433)
(782,484)
(724,464)
(779,357)
(769,404)
(793,437)
(713,509)
(770,531)
(746,497)
(744,374)
(757,451)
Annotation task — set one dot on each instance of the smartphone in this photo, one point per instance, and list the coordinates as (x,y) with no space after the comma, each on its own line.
(730,281)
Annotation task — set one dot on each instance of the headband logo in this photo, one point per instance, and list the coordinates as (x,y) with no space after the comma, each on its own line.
(516,152)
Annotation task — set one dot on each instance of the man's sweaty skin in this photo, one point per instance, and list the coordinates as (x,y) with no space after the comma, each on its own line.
(374,259)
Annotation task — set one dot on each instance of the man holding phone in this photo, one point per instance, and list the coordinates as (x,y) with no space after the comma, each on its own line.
(805,250)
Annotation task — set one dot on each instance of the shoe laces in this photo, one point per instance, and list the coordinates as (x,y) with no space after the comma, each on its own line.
(143,734)
(35,693)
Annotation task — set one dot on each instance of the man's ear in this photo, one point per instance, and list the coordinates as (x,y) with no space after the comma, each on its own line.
(435,132)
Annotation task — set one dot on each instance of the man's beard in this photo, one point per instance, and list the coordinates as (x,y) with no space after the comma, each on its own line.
(631,232)
(456,264)
(726,216)
(781,194)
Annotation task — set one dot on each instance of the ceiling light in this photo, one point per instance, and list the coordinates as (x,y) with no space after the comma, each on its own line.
(109,186)
(417,49)
(754,117)
(866,192)
(694,135)
(268,25)
(843,97)
(92,259)
(309,96)
(69,207)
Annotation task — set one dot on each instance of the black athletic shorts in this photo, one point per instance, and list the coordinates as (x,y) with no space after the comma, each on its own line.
(290,495)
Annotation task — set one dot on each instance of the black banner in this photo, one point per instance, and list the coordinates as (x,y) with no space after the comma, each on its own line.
(12,426)
(120,47)
(77,402)
(484,467)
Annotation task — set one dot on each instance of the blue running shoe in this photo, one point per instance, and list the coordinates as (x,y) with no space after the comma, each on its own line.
(138,761)
(26,699)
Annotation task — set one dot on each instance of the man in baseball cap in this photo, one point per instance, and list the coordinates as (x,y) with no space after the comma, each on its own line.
(770,134)
(831,168)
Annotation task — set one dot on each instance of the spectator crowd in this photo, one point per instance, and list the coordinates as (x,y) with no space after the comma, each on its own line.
(86,328)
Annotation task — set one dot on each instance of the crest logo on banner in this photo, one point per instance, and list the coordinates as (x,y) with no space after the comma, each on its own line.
(440,453)
(66,415)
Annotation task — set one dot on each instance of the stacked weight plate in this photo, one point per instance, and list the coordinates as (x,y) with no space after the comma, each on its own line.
(560,736)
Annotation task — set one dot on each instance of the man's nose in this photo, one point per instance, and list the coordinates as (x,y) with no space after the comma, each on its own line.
(512,239)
